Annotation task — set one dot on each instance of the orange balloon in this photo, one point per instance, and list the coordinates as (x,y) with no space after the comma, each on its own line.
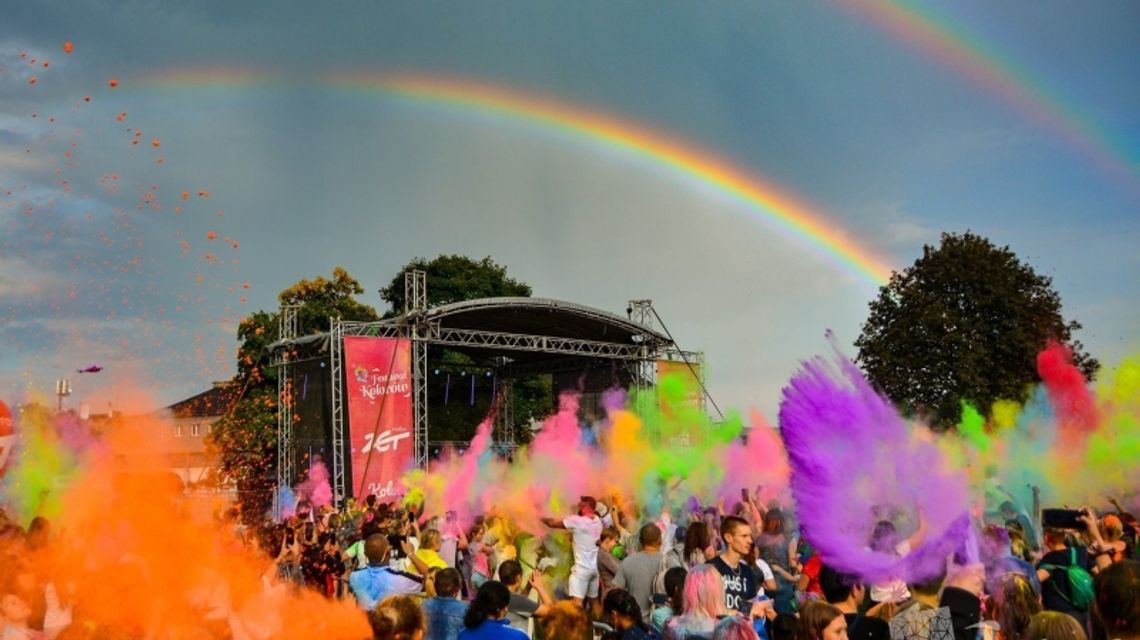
(113,83)
(68,47)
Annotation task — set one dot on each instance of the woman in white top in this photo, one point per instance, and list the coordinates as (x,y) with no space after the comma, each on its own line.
(885,539)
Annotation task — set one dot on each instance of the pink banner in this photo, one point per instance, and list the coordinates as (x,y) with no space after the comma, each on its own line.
(378,388)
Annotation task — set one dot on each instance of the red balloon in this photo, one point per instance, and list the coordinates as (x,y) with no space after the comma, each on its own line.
(7,437)
(5,420)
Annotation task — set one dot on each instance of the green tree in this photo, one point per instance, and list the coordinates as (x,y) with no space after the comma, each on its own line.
(455,278)
(965,322)
(245,440)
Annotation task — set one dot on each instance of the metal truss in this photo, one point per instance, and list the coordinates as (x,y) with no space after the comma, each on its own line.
(504,429)
(336,373)
(286,454)
(630,323)
(415,306)
(433,334)
(533,343)
(645,369)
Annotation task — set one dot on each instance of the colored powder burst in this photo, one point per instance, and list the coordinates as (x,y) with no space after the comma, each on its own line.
(682,452)
(567,467)
(854,463)
(654,450)
(126,558)
(1114,449)
(120,502)
(44,461)
(1068,390)
(286,502)
(1077,447)
(316,488)
(973,427)
(1024,455)
(458,492)
(757,461)
(1004,414)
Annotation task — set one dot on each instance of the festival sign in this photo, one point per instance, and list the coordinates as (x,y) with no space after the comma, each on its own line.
(378,388)
(7,437)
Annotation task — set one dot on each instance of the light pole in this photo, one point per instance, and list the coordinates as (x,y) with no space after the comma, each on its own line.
(62,390)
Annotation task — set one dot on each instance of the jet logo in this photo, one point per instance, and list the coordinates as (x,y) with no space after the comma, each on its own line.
(384,441)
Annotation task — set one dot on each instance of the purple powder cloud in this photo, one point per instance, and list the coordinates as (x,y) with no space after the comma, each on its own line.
(854,463)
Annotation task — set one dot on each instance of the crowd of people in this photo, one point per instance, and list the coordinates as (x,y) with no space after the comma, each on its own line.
(712,574)
(610,571)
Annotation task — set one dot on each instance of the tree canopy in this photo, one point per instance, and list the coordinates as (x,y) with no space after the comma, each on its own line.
(965,322)
(245,439)
(454,278)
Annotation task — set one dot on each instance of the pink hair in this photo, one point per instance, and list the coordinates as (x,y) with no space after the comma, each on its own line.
(735,628)
(704,592)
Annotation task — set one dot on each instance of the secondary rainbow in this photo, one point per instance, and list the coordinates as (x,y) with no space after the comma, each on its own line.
(938,37)
(760,197)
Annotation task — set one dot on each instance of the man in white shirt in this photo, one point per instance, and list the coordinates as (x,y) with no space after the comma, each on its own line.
(586,528)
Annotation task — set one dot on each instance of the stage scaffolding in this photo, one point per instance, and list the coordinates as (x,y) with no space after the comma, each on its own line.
(425,328)
(286,452)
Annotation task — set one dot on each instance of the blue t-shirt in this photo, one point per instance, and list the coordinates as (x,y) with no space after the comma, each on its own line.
(374,583)
(493,630)
(444,618)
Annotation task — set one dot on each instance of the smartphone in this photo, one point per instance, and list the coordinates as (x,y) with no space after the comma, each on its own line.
(744,494)
(1061,518)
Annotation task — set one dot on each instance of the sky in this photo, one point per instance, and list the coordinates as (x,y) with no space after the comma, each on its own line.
(248,145)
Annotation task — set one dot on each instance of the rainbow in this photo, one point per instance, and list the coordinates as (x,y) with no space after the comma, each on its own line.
(763,199)
(938,37)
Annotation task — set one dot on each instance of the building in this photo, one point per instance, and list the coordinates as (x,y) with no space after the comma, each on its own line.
(185,425)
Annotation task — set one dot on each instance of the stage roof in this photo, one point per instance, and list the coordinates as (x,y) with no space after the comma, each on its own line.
(540,316)
(524,317)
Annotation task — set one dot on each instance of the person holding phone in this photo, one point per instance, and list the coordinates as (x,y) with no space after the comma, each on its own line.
(1052,569)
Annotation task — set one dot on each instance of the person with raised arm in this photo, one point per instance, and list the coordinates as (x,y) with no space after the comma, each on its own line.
(586,528)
